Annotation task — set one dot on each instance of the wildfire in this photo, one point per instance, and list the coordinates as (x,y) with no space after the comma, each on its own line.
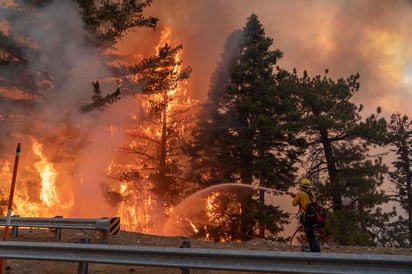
(4,176)
(139,209)
(135,209)
(41,192)
(36,195)
(48,194)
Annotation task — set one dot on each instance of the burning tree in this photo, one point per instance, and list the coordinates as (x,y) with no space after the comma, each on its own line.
(158,133)
(170,118)
(52,59)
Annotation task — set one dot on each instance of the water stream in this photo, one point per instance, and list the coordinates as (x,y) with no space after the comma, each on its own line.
(193,207)
(236,185)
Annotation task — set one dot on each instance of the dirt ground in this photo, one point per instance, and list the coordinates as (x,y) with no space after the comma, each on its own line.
(130,238)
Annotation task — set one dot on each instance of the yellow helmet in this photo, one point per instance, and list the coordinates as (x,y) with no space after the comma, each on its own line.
(304,182)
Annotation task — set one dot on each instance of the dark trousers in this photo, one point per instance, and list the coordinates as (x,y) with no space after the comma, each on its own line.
(310,235)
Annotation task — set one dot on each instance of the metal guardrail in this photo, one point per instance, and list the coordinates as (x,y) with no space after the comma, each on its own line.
(104,225)
(213,259)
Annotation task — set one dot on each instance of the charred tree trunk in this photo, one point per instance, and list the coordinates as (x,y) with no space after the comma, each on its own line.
(163,186)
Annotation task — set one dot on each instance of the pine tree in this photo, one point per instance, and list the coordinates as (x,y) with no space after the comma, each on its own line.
(401,139)
(244,135)
(340,159)
(108,21)
(98,101)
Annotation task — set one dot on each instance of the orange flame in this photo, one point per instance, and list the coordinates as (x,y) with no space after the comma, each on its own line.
(32,198)
(47,173)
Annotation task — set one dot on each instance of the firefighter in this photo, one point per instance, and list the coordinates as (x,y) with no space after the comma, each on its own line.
(303,199)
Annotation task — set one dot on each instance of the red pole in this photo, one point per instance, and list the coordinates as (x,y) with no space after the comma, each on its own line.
(9,209)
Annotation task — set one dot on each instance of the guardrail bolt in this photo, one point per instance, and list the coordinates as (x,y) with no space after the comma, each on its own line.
(305,248)
(185,244)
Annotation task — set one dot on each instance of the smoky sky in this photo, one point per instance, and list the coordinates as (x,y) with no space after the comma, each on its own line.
(369,37)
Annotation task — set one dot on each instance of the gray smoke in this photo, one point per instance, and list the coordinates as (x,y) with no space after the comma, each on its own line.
(80,146)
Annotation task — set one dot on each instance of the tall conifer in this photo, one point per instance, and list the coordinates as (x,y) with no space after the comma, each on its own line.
(246,134)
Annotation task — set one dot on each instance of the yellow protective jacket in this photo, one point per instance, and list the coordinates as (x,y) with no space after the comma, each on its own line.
(303,200)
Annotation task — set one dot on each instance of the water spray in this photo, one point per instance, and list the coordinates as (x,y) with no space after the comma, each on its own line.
(271,190)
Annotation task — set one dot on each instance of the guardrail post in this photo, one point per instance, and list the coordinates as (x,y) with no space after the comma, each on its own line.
(15,229)
(104,237)
(58,231)
(185,244)
(83,267)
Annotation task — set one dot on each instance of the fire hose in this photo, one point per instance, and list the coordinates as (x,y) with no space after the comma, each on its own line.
(296,231)
(293,236)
